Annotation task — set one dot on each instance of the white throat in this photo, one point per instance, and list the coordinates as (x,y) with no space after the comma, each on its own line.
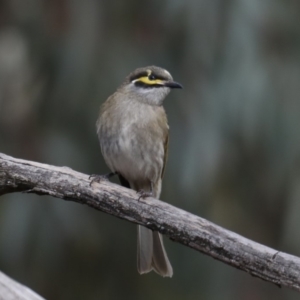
(151,96)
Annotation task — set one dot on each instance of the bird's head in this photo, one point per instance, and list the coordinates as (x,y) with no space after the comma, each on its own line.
(150,84)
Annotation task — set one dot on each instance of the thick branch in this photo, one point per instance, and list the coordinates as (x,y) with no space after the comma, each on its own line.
(180,226)
(12,290)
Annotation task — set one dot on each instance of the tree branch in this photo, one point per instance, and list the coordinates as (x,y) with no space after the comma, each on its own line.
(18,175)
(12,290)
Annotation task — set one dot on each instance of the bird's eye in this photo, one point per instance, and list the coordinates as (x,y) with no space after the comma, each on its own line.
(151,77)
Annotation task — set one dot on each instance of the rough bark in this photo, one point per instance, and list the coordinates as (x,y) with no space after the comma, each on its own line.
(18,175)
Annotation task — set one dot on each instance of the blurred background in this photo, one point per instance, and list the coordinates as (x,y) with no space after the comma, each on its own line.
(234,149)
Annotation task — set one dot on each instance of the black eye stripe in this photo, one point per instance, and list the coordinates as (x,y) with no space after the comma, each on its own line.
(146,74)
(154,77)
(147,86)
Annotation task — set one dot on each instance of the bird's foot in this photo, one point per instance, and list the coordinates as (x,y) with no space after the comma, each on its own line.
(100,178)
(143,194)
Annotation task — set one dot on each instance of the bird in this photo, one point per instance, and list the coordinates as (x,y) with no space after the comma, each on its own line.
(133,132)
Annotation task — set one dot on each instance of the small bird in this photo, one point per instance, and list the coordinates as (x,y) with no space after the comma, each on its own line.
(133,132)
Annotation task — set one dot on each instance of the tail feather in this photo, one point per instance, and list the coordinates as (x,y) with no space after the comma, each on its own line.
(161,263)
(145,250)
(152,254)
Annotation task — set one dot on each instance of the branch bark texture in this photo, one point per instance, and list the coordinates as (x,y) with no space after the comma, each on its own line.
(18,175)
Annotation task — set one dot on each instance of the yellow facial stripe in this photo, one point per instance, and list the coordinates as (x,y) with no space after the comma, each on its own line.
(146,80)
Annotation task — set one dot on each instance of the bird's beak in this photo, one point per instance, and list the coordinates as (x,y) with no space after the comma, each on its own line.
(173,85)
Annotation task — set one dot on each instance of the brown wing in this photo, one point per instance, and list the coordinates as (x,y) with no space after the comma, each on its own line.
(166,147)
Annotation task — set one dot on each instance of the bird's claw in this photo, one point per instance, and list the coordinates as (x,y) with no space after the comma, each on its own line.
(98,178)
(143,194)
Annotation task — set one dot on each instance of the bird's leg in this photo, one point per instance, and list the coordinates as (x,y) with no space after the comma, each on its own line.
(99,178)
(144,194)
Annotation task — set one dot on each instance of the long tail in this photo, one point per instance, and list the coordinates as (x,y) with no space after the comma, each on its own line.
(151,253)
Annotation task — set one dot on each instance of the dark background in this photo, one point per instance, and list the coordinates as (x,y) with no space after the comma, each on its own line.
(234,149)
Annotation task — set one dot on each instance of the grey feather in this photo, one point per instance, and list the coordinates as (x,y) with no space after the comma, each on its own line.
(133,133)
(151,254)
(144,250)
(161,263)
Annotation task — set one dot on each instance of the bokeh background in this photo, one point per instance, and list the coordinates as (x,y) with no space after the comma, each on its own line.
(234,149)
